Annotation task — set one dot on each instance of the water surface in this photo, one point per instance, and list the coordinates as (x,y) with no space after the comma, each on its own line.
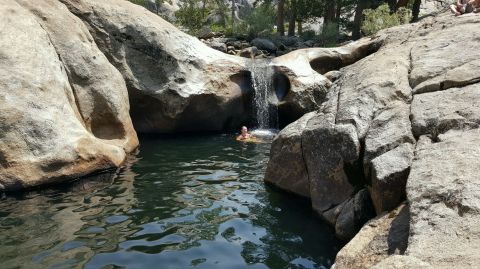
(184,202)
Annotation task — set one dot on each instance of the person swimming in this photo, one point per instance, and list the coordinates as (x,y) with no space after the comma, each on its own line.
(245,135)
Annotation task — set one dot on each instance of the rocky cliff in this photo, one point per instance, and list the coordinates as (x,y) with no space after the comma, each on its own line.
(400,124)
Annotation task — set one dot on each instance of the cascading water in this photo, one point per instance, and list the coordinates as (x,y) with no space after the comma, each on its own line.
(265,100)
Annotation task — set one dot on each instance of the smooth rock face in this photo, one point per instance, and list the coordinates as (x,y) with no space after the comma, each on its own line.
(99,89)
(303,72)
(55,126)
(388,130)
(380,237)
(175,82)
(329,182)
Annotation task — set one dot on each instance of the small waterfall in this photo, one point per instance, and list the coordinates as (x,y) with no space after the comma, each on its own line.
(265,100)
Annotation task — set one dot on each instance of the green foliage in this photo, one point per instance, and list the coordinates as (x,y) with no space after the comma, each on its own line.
(380,18)
(260,21)
(308,35)
(142,2)
(138,2)
(329,35)
(192,15)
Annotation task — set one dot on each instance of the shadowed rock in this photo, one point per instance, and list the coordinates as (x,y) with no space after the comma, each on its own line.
(380,237)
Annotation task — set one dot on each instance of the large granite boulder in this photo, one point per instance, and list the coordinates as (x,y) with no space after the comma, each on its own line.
(300,75)
(402,122)
(385,235)
(334,139)
(63,106)
(444,194)
(354,214)
(290,172)
(437,112)
(264,44)
(176,83)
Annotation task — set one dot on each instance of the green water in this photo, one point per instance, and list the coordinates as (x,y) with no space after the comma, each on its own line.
(184,202)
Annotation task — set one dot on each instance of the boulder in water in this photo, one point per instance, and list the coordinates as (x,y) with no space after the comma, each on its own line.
(403,115)
(176,83)
(63,106)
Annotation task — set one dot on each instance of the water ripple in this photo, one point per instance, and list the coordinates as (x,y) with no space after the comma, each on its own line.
(182,203)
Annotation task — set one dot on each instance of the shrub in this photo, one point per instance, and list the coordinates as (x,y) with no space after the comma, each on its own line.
(191,15)
(260,20)
(308,35)
(329,35)
(380,18)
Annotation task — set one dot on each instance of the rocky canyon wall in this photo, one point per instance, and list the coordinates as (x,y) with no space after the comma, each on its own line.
(400,124)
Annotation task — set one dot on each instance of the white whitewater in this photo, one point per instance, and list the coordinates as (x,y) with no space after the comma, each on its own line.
(265,100)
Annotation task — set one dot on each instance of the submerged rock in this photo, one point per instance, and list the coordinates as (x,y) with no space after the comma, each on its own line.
(63,106)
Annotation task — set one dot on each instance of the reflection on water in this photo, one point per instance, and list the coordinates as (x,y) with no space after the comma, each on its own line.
(185,202)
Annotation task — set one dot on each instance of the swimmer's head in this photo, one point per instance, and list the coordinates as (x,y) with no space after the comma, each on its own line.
(244,130)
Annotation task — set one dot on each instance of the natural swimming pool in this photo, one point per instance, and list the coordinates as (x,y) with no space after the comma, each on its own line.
(183,202)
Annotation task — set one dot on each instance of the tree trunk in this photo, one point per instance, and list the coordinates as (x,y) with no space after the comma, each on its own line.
(300,27)
(329,13)
(293,18)
(233,14)
(204,8)
(416,10)
(281,17)
(393,5)
(401,3)
(338,14)
(357,20)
